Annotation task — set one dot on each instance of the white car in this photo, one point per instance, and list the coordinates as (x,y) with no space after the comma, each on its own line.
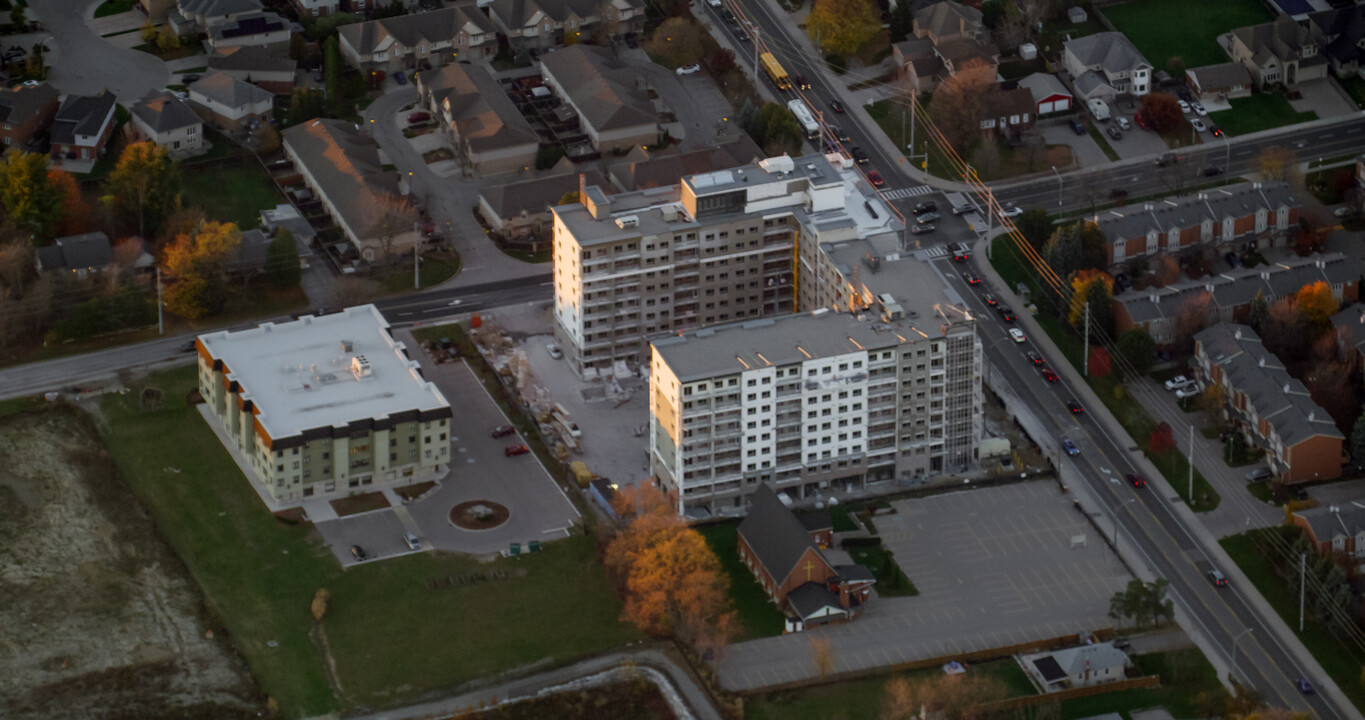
(412,541)
(1177,381)
(554,351)
(1199,125)
(1123,122)
(1017,334)
(1188,391)
(1342,212)
(1199,109)
(1184,106)
(1011,211)
(689,69)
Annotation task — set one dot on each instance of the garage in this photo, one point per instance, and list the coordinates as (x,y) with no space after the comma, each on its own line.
(1050,95)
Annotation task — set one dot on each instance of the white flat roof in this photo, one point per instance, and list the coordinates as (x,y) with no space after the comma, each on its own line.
(299,377)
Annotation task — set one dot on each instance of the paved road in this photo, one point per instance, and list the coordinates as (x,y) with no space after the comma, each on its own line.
(1169,541)
(84,63)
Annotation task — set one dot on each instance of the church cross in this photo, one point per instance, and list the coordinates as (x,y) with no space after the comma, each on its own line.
(809,567)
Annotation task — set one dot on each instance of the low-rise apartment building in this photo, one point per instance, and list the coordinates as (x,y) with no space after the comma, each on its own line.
(541,24)
(609,96)
(1335,530)
(324,406)
(1233,218)
(718,246)
(404,42)
(815,403)
(488,131)
(1272,410)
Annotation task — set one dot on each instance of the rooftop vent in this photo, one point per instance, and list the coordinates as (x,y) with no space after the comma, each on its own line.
(346,346)
(628,221)
(360,367)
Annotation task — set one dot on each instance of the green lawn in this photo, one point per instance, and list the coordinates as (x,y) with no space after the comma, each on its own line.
(1102,141)
(1261,111)
(1184,674)
(259,575)
(229,191)
(758,617)
(436,269)
(891,580)
(1162,29)
(1343,663)
(863,698)
(1355,87)
(114,7)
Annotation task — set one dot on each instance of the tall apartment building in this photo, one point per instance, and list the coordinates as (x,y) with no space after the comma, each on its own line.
(819,402)
(717,247)
(324,406)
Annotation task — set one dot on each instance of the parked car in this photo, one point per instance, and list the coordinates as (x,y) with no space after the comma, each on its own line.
(1070,447)
(1113,132)
(1188,391)
(1212,171)
(188,78)
(1342,212)
(412,541)
(358,553)
(1184,107)
(1298,492)
(926,207)
(875,178)
(554,351)
(504,431)
(400,78)
(1184,93)
(1199,109)
(689,69)
(1077,126)
(514,450)
(1017,335)
(921,229)
(631,41)
(1122,122)
(418,117)
(1259,474)
(1198,125)
(837,106)
(1177,382)
(1217,579)
(1136,481)
(1141,121)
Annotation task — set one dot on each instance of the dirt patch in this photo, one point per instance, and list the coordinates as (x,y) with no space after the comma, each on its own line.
(357,504)
(412,492)
(99,618)
(479,515)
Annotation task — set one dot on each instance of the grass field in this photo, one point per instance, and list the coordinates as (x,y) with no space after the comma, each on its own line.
(114,7)
(863,698)
(1163,29)
(758,617)
(259,576)
(1261,111)
(229,191)
(436,268)
(891,580)
(1341,662)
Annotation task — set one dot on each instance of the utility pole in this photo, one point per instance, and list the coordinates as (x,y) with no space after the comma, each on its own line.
(756,29)
(160,327)
(990,220)
(1191,463)
(1085,360)
(1303,570)
(417,253)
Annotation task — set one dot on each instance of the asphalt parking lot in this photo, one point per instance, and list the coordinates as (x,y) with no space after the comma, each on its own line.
(994,567)
(479,470)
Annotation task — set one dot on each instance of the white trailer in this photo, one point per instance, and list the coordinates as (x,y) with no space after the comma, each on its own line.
(1099,109)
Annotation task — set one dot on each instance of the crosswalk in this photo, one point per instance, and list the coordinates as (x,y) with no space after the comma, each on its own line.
(900,193)
(931,253)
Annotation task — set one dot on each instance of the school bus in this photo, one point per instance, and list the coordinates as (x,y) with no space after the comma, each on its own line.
(775,71)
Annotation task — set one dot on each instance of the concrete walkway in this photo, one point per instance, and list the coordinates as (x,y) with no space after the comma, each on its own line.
(659,657)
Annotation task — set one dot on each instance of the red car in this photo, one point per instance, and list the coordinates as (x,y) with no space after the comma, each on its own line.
(1137,480)
(1141,121)
(1049,376)
(504,431)
(418,117)
(875,178)
(516,450)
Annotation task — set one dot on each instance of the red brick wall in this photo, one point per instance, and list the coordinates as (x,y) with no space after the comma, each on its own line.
(1317,458)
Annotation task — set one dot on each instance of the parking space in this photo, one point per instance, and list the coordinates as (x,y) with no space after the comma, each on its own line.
(1136,142)
(379,534)
(994,567)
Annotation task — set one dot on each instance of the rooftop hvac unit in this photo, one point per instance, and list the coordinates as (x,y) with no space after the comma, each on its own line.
(629,221)
(360,367)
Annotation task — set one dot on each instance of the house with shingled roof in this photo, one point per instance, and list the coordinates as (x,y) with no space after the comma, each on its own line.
(404,42)
(265,67)
(611,101)
(1280,51)
(1105,65)
(542,24)
(82,127)
(785,553)
(26,111)
(75,255)
(161,118)
(343,169)
(256,29)
(1335,530)
(489,133)
(228,103)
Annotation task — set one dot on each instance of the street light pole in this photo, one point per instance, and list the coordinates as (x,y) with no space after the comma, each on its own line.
(1114,515)
(1059,185)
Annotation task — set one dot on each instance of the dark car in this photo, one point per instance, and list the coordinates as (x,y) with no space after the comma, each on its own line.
(188,78)
(1077,126)
(1075,407)
(1118,194)
(400,78)
(922,229)
(631,41)
(1166,159)
(1217,131)
(971,279)
(1212,171)
(837,106)
(875,178)
(839,133)
(504,431)
(1136,481)
(418,117)
(358,553)
(1184,93)
(925,207)
(859,156)
(800,82)
(1298,492)
(1049,375)
(1303,685)
(927,217)
(1113,132)
(740,34)
(512,450)
(1035,358)
(990,299)
(1006,314)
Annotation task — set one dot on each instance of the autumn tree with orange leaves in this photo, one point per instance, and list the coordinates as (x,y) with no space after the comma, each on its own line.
(75,217)
(672,583)
(194,265)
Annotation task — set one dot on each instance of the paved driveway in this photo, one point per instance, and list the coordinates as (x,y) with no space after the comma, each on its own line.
(84,63)
(694,99)
(994,568)
(1083,147)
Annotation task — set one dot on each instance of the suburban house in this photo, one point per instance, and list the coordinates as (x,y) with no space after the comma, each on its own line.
(1335,530)
(76,256)
(1259,215)
(349,412)
(432,38)
(521,208)
(541,24)
(155,9)
(1340,33)
(228,103)
(342,168)
(1008,112)
(946,21)
(1221,81)
(1280,51)
(1272,410)
(1105,65)
(1049,94)
(1076,667)
(316,8)
(785,553)
(947,39)
(489,133)
(195,16)
(609,96)
(1231,293)
(268,68)
(82,127)
(1350,328)
(641,169)
(920,67)
(161,118)
(255,29)
(26,111)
